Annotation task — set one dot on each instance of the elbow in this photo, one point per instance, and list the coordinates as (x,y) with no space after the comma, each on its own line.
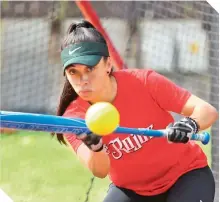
(100,165)
(100,172)
(206,115)
(100,175)
(213,114)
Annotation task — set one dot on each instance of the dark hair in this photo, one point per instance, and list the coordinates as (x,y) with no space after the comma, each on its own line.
(77,32)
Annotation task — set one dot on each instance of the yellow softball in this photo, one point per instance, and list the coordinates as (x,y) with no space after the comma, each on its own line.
(102,118)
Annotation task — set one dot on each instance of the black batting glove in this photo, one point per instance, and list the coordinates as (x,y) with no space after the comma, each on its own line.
(92,141)
(182,130)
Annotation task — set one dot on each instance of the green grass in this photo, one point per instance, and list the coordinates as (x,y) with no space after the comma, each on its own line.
(36,168)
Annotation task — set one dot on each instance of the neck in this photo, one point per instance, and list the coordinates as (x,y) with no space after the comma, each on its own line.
(109,92)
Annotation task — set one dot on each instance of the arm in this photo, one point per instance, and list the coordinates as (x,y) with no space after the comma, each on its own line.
(172,97)
(199,110)
(199,114)
(97,162)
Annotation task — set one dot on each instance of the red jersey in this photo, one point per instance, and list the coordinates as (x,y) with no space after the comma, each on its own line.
(148,166)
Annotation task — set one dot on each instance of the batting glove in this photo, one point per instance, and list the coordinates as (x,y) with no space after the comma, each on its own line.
(92,141)
(182,131)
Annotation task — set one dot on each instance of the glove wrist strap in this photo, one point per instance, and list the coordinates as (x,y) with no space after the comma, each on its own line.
(193,123)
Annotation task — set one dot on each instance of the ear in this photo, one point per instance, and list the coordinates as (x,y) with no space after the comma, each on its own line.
(109,64)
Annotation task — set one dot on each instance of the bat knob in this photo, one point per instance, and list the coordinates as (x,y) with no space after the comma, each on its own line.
(205,138)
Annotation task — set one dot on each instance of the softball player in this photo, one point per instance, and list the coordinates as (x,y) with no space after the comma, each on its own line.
(141,169)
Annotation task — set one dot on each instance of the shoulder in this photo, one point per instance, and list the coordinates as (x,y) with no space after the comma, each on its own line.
(135,72)
(140,75)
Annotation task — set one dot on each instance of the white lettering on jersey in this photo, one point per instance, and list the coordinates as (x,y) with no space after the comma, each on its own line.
(132,143)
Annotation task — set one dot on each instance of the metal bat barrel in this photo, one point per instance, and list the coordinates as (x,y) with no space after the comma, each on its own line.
(41,122)
(40,119)
(57,124)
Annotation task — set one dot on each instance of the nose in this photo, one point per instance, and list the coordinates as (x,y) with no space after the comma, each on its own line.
(84,79)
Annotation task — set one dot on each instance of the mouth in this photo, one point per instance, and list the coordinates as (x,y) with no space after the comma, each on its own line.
(85,91)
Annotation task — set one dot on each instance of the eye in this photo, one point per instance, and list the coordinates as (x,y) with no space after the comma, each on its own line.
(72,71)
(91,69)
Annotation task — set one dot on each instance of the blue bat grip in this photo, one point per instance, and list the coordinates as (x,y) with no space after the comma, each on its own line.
(203,137)
(140,131)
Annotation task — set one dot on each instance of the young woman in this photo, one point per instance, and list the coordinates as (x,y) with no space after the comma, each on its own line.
(141,169)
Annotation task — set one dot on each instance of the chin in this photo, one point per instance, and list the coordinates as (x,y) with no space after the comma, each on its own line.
(86,97)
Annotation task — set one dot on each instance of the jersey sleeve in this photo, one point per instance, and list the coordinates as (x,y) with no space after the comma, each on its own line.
(73,112)
(73,141)
(168,95)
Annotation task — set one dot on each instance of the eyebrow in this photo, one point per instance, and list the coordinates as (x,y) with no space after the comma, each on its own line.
(71,67)
(74,67)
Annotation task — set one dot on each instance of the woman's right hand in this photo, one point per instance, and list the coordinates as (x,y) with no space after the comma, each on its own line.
(91,140)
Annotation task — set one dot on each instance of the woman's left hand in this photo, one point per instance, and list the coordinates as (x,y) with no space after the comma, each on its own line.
(182,130)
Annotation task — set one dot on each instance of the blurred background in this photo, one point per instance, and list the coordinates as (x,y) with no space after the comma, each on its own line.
(179,39)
